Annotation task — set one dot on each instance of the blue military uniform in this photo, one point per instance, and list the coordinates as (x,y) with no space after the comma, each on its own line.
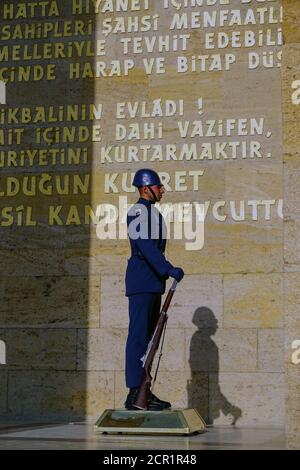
(146,276)
(145,281)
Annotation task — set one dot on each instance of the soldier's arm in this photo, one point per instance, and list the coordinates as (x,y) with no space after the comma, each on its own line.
(154,256)
(138,226)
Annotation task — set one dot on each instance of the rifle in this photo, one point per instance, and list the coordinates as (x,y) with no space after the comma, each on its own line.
(141,402)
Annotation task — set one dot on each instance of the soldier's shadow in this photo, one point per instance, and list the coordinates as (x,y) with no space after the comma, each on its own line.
(204,392)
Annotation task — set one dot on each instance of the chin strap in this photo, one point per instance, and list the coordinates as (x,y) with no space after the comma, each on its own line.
(153,194)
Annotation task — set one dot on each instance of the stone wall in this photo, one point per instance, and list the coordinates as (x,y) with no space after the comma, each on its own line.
(63,309)
(291,117)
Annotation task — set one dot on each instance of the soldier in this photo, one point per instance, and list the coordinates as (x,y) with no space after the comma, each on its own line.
(145,281)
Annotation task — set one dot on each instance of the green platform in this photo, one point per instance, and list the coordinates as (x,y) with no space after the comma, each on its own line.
(150,422)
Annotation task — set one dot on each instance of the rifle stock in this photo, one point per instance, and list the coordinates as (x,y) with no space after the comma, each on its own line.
(141,402)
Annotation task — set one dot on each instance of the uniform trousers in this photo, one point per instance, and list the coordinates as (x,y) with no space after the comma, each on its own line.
(144,310)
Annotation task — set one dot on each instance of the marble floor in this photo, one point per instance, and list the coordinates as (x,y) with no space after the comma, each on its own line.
(81,436)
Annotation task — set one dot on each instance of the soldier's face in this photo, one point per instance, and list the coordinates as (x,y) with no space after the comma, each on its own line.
(158,190)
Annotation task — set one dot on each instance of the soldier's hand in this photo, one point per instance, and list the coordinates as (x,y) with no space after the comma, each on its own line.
(176,273)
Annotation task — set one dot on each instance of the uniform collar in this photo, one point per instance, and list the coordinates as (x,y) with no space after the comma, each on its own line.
(146,202)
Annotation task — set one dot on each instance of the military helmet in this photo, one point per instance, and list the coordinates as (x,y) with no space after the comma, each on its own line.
(146,177)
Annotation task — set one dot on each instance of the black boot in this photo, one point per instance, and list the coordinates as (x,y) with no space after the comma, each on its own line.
(131,398)
(155,404)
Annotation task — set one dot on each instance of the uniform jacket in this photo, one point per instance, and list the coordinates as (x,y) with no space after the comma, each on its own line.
(147,268)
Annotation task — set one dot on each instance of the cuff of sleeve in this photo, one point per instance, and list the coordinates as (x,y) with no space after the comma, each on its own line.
(167,268)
